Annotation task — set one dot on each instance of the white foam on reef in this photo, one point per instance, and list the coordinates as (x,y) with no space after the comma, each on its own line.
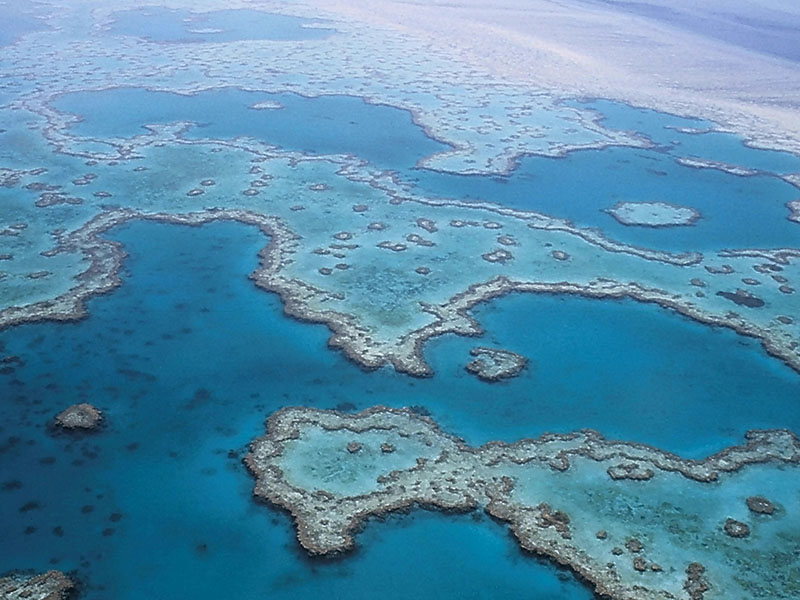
(267,105)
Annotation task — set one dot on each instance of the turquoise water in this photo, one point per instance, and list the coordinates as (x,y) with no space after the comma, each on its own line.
(384,135)
(161,24)
(187,359)
(738,212)
(721,147)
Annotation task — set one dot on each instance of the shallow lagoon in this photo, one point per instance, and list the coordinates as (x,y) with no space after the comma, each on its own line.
(188,358)
(383,135)
(737,212)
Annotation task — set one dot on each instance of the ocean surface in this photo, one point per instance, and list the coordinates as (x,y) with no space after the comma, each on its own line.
(18,19)
(187,359)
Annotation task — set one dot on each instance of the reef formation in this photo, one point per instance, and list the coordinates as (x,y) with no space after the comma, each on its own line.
(438,257)
(326,271)
(794,211)
(52,585)
(653,214)
(494,364)
(82,416)
(387,268)
(633,521)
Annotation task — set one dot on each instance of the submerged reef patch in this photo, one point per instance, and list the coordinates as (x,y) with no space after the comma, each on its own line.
(668,526)
(653,214)
(376,319)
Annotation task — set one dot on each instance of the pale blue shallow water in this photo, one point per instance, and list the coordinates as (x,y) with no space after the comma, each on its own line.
(737,212)
(18,18)
(187,359)
(161,24)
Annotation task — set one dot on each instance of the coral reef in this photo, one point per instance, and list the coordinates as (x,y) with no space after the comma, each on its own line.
(52,585)
(653,214)
(493,364)
(79,417)
(331,471)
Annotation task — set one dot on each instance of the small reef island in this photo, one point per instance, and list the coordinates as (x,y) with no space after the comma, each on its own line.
(79,417)
(493,364)
(653,214)
(636,522)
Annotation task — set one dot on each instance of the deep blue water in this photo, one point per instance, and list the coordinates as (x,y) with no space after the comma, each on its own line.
(187,359)
(384,135)
(161,24)
(740,212)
